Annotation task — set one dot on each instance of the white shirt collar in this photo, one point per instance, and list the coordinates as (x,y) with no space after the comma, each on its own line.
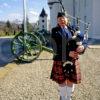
(64,27)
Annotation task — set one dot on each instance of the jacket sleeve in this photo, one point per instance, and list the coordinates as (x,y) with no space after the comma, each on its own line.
(84,41)
(54,40)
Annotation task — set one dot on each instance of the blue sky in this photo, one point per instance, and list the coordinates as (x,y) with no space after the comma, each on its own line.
(13,9)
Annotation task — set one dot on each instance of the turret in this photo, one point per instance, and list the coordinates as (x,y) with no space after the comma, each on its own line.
(43,25)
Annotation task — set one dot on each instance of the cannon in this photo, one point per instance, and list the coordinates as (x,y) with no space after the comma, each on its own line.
(28,46)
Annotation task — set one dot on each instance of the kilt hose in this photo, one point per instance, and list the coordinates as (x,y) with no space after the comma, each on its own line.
(58,75)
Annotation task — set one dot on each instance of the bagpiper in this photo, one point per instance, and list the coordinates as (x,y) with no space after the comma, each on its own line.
(66,46)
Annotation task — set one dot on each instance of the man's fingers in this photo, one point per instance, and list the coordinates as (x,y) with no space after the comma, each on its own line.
(80,48)
(73,54)
(76,55)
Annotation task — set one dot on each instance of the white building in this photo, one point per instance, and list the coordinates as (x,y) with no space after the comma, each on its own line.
(87,10)
(43,21)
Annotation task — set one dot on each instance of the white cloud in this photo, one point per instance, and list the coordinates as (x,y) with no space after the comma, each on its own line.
(33,16)
(4,5)
(14,16)
(33,13)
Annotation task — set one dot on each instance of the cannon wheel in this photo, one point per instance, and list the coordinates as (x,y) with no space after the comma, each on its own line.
(26,47)
(41,37)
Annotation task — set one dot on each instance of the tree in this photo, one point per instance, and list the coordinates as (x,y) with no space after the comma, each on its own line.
(8,24)
(8,28)
(28,25)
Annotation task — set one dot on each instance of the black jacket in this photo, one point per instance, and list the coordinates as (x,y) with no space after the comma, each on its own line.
(59,45)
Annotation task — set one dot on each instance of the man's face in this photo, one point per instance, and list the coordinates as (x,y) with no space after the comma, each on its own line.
(62,21)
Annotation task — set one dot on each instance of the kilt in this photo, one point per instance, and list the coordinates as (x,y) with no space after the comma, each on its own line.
(58,75)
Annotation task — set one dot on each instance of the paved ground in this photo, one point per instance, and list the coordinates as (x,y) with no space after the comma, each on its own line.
(31,81)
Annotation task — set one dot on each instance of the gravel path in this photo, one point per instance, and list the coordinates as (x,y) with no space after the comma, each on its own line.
(31,81)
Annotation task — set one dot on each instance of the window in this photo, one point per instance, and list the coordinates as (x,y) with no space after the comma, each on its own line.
(43,21)
(43,26)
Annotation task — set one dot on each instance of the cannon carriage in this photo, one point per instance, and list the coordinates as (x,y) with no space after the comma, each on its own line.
(28,46)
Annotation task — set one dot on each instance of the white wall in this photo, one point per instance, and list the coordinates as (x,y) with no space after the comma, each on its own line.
(96,18)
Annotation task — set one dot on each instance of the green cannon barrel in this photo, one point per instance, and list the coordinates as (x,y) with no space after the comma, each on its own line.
(47,49)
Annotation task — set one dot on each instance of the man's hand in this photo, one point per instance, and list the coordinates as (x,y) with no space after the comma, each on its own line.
(73,54)
(80,49)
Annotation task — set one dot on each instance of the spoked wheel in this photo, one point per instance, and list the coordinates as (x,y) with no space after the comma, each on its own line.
(26,47)
(41,37)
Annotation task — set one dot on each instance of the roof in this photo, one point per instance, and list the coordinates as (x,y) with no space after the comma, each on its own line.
(43,13)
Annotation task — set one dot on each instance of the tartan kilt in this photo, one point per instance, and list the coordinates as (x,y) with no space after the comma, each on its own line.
(58,75)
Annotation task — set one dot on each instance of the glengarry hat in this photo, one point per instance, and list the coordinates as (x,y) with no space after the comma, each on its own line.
(61,14)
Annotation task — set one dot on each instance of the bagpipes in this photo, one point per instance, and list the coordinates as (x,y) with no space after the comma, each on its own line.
(77,39)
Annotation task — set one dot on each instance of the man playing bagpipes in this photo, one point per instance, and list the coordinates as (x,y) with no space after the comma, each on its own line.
(67,43)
